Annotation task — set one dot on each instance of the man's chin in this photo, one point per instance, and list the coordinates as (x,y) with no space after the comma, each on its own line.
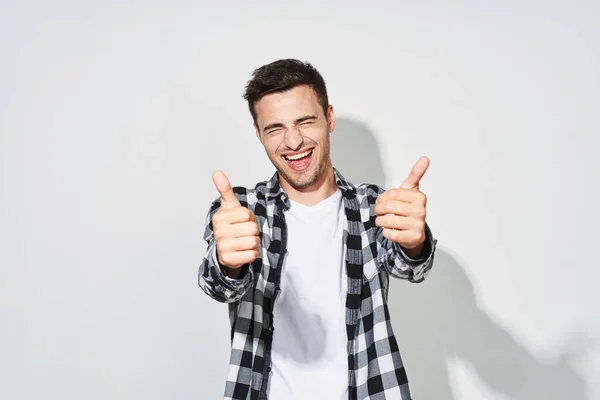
(302,185)
(299,180)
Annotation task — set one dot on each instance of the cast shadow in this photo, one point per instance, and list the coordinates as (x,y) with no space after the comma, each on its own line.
(438,320)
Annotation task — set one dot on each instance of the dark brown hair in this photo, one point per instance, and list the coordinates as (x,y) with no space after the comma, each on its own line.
(283,75)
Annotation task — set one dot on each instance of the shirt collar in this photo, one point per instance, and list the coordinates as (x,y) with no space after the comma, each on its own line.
(275,191)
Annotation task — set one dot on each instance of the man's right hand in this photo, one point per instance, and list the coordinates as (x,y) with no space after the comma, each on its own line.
(235,230)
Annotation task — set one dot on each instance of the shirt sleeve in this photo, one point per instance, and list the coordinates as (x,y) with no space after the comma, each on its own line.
(393,258)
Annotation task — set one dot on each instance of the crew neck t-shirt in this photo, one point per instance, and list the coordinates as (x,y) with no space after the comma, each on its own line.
(309,355)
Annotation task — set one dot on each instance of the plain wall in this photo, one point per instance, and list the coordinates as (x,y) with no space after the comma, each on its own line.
(113,115)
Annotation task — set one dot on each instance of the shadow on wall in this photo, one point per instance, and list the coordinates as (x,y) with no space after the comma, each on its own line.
(438,320)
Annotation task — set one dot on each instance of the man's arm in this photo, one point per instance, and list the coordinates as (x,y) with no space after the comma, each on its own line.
(232,235)
(406,246)
(214,281)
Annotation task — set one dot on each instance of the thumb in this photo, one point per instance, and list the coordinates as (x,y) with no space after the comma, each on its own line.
(228,199)
(416,173)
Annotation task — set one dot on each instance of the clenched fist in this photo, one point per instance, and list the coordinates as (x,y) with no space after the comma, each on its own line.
(235,230)
(401,211)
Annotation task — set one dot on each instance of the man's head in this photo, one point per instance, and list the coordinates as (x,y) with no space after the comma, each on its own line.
(293,119)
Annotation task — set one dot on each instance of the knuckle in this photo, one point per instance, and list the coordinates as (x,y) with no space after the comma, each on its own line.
(223,245)
(225,258)
(239,215)
(217,217)
(218,235)
(222,232)
(417,237)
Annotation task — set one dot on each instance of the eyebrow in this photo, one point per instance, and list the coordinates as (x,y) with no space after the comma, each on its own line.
(296,122)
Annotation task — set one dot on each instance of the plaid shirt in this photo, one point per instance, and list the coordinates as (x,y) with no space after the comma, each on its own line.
(375,369)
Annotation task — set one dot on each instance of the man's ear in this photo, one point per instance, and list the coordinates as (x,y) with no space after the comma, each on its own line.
(257,131)
(330,119)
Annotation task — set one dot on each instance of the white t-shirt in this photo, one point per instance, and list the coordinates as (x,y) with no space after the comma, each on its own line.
(309,356)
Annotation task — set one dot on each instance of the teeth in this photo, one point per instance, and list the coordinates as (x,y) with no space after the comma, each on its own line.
(298,156)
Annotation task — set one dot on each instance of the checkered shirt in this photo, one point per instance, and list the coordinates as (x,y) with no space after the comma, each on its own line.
(375,368)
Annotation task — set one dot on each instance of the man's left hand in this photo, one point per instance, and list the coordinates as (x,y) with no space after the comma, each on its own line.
(401,212)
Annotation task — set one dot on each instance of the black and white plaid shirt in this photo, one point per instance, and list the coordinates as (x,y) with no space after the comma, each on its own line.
(375,369)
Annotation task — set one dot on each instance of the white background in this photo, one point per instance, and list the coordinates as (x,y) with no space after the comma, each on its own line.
(114,114)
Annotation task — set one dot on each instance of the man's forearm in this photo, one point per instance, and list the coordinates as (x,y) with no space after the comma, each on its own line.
(416,252)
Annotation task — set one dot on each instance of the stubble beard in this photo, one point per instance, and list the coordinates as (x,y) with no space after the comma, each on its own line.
(308,179)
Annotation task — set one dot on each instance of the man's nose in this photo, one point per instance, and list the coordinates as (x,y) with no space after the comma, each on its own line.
(293,139)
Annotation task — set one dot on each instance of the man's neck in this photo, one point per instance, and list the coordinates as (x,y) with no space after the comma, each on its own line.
(322,189)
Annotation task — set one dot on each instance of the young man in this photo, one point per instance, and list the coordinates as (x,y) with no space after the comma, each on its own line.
(304,259)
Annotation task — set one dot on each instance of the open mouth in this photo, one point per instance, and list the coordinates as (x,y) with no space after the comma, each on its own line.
(299,162)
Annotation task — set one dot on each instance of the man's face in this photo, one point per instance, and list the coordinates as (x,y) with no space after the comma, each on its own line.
(295,132)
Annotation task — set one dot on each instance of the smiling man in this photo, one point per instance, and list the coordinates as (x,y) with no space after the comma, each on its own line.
(304,259)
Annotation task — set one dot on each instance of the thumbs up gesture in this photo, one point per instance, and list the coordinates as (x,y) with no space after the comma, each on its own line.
(235,230)
(401,211)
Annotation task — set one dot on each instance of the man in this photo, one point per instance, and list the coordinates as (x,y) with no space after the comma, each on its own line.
(304,259)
